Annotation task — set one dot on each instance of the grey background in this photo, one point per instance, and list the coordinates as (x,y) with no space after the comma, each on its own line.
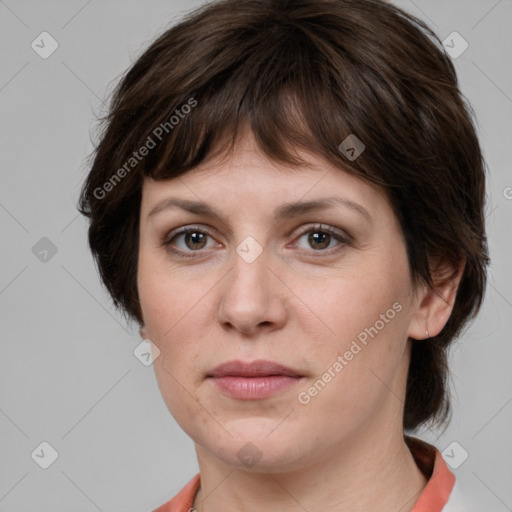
(68,375)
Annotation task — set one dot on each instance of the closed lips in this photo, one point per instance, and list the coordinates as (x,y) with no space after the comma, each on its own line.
(252,369)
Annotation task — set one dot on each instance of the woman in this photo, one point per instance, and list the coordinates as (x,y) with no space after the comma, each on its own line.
(288,198)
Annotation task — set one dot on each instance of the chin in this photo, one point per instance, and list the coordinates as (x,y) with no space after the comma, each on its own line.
(254,450)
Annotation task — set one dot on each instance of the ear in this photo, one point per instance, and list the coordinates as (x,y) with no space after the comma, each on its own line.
(434,306)
(143,332)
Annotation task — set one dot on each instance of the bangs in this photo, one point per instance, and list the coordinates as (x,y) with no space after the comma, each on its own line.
(287,108)
(305,81)
(288,87)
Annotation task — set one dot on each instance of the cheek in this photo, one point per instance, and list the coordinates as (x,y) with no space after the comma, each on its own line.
(360,367)
(166,296)
(364,315)
(169,303)
(357,302)
(169,310)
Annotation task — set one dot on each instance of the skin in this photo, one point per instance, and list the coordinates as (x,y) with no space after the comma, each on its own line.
(297,305)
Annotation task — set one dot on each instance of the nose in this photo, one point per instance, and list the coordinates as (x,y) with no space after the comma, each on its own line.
(253,297)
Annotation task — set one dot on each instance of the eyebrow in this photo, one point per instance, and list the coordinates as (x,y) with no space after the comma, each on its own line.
(286,210)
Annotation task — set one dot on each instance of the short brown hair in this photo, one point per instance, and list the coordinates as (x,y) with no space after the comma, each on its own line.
(304,74)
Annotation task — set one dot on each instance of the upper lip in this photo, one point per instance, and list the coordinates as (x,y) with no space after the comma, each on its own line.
(258,368)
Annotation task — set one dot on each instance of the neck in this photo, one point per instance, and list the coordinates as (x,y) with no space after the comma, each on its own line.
(362,474)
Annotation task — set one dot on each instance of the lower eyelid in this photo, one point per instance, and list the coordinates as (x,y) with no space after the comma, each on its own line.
(341,239)
(169,240)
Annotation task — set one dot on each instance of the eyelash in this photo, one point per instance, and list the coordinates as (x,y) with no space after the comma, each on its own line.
(318,228)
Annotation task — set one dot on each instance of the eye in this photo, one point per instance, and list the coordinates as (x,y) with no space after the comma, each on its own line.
(193,240)
(320,237)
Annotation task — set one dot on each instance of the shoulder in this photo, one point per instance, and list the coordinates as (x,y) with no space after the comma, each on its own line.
(458,500)
(183,501)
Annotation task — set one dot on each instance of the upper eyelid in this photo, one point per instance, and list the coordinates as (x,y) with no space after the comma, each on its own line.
(342,235)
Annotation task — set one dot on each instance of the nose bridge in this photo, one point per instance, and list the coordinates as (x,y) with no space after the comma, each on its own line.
(251,294)
(249,277)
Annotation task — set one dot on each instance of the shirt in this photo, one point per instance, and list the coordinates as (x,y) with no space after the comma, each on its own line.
(439,495)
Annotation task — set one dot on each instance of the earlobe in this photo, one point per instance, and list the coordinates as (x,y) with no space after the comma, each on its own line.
(435,305)
(143,332)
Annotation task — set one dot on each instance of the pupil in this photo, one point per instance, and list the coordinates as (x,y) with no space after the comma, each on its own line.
(315,237)
(319,238)
(193,236)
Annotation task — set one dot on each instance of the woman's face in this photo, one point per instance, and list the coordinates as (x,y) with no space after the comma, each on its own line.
(334,303)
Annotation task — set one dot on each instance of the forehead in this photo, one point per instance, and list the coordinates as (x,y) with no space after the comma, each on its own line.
(247,177)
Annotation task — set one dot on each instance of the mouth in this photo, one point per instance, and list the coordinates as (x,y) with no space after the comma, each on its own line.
(258,368)
(253,381)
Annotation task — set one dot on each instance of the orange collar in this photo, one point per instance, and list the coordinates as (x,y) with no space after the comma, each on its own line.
(441,480)
(433,498)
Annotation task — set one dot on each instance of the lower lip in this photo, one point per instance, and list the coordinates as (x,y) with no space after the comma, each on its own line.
(254,388)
